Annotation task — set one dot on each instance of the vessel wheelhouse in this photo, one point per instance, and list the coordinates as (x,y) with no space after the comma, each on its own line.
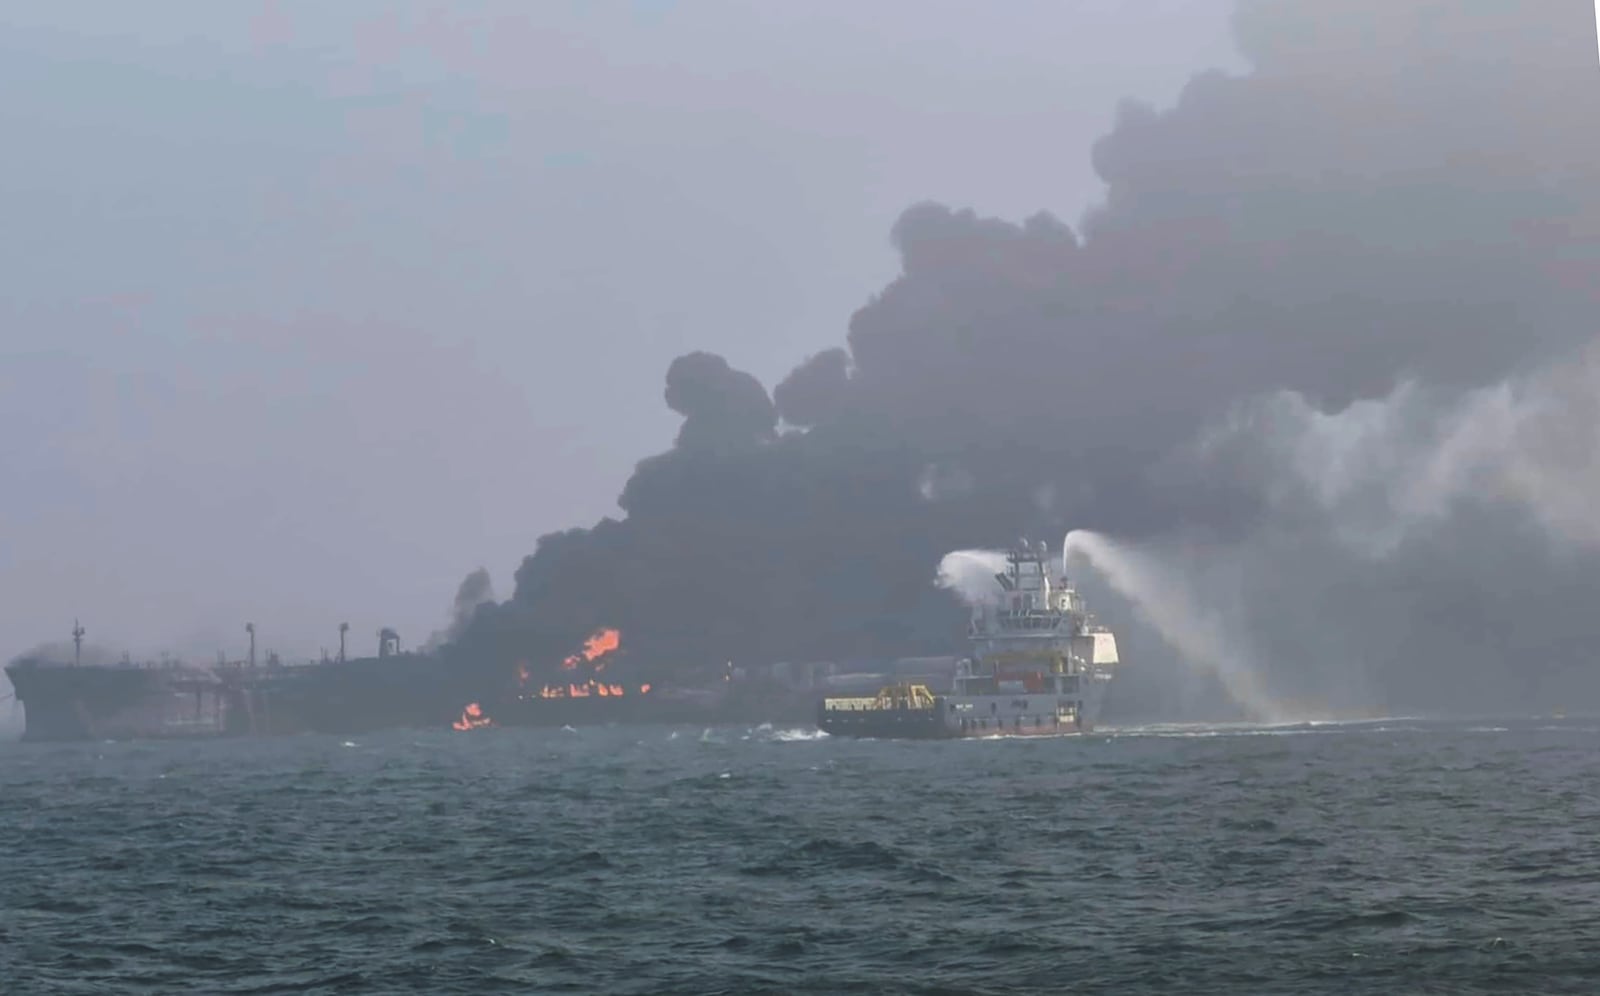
(1040,666)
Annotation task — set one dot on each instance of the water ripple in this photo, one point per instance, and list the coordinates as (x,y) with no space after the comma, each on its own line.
(1352,858)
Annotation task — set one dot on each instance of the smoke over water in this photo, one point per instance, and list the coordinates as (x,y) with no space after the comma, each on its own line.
(1321,362)
(1385,469)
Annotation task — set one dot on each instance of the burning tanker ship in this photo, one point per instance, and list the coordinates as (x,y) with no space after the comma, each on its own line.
(71,700)
(592,687)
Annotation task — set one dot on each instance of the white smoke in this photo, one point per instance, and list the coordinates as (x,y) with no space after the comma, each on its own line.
(945,482)
(1372,579)
(1373,565)
(1380,470)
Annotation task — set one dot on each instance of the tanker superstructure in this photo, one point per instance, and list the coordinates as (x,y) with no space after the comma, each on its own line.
(1040,666)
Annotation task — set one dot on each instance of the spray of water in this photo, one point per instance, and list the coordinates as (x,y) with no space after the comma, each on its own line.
(970,573)
(1160,595)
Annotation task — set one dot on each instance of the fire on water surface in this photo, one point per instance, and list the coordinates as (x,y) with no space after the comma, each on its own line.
(472,718)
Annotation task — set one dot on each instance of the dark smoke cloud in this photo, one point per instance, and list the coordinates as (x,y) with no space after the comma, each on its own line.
(476,589)
(816,390)
(722,408)
(1303,281)
(61,652)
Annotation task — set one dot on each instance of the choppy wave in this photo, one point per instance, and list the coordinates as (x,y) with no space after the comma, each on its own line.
(1398,854)
(767,732)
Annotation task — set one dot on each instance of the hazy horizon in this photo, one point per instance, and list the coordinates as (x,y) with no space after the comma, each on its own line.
(318,309)
(723,327)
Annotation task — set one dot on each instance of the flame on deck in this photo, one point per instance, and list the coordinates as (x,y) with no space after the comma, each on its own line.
(472,718)
(591,687)
(599,643)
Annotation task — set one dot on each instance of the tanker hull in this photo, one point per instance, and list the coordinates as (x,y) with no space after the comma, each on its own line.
(119,702)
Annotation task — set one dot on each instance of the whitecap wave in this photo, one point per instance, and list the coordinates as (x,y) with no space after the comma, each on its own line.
(798,735)
(1383,724)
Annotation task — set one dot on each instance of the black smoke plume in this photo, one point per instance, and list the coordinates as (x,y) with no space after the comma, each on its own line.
(722,408)
(1305,283)
(476,589)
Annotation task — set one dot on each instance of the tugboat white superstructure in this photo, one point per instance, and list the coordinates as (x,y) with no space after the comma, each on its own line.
(1040,667)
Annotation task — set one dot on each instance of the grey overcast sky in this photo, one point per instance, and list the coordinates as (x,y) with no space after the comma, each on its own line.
(310,308)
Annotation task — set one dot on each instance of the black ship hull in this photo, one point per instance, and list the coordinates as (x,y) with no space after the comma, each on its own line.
(143,702)
(885,724)
(395,691)
(359,696)
(120,702)
(888,722)
(711,705)
(604,712)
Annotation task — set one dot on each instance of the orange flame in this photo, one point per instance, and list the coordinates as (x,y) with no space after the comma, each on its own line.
(587,689)
(599,643)
(472,718)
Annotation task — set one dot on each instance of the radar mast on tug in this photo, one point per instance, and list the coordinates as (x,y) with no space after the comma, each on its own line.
(1040,666)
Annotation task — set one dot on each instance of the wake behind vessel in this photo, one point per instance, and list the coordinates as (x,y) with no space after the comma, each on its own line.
(1040,666)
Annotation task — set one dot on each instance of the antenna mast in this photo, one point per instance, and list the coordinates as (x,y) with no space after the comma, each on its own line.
(77,643)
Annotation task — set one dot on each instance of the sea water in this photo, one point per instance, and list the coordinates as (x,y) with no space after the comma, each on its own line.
(1382,857)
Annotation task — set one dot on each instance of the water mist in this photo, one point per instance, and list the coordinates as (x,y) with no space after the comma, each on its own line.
(970,573)
(1162,599)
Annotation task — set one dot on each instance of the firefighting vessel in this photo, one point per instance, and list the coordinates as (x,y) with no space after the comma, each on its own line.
(1040,666)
